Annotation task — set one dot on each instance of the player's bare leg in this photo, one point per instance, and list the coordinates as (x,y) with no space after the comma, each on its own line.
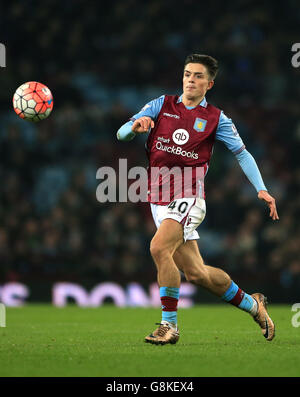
(167,239)
(165,242)
(189,260)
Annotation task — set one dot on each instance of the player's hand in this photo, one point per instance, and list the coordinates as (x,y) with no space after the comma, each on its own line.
(265,196)
(142,125)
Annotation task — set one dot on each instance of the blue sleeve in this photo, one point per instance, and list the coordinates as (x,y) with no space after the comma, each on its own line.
(227,133)
(151,109)
(124,133)
(251,170)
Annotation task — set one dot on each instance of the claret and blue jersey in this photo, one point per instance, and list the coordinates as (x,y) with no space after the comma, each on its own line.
(184,136)
(226,130)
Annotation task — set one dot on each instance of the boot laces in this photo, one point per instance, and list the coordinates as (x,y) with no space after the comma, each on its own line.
(163,329)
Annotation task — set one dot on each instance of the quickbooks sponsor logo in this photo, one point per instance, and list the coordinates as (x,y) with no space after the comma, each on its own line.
(180,136)
(176,150)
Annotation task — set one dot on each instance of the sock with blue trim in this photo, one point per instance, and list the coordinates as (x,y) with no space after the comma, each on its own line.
(169,299)
(241,299)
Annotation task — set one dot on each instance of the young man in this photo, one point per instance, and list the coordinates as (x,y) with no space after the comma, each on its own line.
(182,133)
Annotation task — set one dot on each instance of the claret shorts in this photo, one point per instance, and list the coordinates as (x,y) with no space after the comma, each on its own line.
(190,212)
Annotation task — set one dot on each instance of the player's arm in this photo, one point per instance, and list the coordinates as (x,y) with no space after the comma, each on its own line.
(141,122)
(250,168)
(227,133)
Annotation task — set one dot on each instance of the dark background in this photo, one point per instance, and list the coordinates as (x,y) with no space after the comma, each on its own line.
(103,61)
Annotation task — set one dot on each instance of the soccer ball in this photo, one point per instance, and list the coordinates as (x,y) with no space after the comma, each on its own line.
(33,101)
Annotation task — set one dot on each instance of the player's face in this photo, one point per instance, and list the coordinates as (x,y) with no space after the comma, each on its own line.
(196,81)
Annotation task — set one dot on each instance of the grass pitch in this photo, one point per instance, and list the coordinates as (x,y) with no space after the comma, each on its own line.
(215,340)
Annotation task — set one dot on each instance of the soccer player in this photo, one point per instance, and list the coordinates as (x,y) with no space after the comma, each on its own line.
(182,131)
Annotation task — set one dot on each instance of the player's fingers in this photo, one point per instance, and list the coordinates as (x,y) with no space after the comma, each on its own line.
(145,124)
(139,124)
(150,123)
(270,201)
(273,212)
(276,217)
(135,126)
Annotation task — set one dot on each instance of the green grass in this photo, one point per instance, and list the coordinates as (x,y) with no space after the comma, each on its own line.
(216,340)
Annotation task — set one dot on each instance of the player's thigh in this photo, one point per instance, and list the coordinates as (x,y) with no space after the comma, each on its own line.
(189,260)
(168,238)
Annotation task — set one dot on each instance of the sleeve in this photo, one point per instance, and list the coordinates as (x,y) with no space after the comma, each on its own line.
(124,133)
(227,133)
(250,168)
(151,109)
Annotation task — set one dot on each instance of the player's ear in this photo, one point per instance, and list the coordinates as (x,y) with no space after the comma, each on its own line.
(210,84)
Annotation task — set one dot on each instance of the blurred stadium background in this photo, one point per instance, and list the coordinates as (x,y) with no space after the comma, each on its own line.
(103,61)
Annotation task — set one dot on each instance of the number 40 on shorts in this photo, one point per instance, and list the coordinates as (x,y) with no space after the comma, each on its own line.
(181,206)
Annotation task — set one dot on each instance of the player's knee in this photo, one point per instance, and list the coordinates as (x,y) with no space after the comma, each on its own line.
(158,251)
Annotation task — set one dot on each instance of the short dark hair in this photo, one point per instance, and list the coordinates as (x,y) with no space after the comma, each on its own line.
(209,62)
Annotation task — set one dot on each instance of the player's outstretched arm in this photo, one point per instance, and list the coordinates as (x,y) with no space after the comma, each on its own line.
(129,130)
(227,133)
(267,198)
(249,166)
(125,133)
(142,121)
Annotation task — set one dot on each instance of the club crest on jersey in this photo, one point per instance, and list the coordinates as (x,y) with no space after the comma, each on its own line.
(200,124)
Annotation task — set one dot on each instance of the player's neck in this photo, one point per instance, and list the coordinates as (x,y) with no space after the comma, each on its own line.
(191,102)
